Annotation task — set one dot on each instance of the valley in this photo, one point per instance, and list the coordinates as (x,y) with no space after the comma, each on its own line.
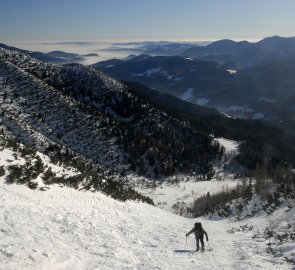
(102,172)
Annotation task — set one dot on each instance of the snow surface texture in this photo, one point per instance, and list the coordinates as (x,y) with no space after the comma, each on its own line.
(188,94)
(202,101)
(65,229)
(148,72)
(237,108)
(231,71)
(245,111)
(258,115)
(265,99)
(167,194)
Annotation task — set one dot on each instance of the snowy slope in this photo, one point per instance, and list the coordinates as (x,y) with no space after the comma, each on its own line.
(166,194)
(184,189)
(10,158)
(188,94)
(66,229)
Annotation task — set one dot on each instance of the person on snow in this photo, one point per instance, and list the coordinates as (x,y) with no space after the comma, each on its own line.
(199,234)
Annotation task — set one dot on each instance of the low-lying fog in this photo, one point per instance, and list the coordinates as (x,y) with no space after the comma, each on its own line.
(82,48)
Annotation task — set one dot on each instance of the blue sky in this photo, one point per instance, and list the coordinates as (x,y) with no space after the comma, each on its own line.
(145,19)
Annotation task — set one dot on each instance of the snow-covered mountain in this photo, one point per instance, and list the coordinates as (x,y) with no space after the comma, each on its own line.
(170,74)
(243,54)
(263,91)
(73,139)
(53,226)
(114,125)
(97,116)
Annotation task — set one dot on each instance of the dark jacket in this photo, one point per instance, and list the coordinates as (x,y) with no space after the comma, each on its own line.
(199,232)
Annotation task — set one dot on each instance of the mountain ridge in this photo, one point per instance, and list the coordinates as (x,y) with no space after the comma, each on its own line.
(116,126)
(243,54)
(53,57)
(108,114)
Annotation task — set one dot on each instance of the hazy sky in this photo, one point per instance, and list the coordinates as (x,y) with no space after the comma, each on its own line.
(145,19)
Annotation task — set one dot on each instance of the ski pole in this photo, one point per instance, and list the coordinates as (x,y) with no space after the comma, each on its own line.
(208,244)
(185,242)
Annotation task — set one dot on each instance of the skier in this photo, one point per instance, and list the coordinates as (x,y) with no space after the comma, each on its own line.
(199,234)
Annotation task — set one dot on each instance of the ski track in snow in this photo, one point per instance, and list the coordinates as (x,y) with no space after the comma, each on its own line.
(67,229)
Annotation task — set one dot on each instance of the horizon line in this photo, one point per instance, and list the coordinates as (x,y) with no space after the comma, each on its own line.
(126,40)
